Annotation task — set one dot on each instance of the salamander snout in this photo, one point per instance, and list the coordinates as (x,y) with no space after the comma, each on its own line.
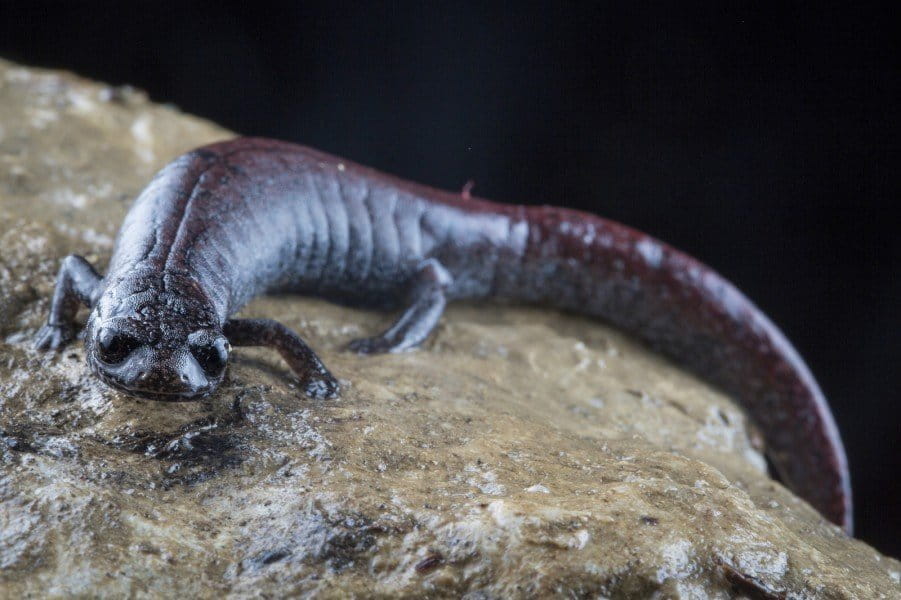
(170,372)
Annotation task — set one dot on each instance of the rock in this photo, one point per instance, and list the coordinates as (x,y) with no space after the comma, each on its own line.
(521,453)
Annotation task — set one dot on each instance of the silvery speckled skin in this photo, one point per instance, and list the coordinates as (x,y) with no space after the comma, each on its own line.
(226,222)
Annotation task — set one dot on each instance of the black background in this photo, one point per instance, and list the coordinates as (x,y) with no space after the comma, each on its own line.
(765,143)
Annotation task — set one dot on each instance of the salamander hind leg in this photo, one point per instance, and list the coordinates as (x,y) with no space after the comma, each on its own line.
(427,302)
(76,285)
(316,380)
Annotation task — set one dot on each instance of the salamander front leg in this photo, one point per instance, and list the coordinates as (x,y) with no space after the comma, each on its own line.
(414,326)
(76,284)
(316,380)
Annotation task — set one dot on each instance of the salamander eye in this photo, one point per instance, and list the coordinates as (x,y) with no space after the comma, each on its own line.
(212,357)
(114,346)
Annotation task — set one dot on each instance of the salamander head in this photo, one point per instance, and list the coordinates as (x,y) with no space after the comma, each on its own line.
(156,338)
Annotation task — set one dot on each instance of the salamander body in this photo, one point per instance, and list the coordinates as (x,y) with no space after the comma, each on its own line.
(226,222)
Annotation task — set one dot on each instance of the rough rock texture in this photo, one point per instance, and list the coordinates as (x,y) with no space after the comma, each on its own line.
(522,453)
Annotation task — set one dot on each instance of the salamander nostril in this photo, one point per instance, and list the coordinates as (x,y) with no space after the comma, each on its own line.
(184,377)
(142,375)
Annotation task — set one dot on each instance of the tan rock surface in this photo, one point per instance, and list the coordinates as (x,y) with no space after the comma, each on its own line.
(522,453)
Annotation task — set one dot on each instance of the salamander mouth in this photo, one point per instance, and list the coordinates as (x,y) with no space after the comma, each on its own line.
(156,395)
(163,396)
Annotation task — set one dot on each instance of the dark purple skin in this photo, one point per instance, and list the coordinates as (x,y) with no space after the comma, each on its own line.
(227,222)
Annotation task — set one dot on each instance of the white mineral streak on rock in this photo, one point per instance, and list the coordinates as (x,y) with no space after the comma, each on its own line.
(142,132)
(40,118)
(69,198)
(675,560)
(537,489)
(485,481)
(765,563)
(82,101)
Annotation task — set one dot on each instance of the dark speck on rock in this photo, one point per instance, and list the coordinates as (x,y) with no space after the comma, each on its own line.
(429,563)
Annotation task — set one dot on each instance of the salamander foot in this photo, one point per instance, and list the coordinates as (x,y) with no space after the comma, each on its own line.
(53,337)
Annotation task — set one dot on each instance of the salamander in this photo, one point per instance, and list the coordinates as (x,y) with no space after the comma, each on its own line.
(228,221)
